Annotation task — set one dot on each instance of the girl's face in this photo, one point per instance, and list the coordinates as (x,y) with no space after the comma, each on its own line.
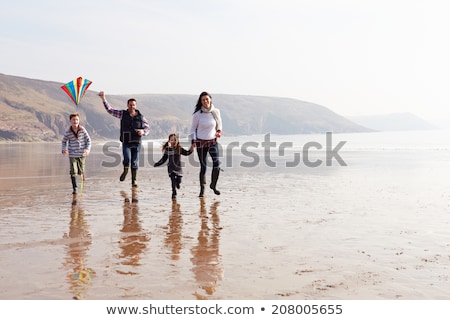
(206,101)
(173,141)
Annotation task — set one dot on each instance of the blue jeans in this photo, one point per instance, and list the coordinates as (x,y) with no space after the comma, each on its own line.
(130,153)
(202,154)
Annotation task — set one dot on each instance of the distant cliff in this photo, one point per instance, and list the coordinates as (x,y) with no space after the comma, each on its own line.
(37,110)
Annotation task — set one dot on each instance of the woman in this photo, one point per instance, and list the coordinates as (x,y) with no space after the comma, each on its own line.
(206,129)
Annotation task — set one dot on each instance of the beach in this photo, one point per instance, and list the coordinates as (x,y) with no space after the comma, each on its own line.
(375,228)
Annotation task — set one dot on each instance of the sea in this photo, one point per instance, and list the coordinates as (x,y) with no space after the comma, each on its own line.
(314,216)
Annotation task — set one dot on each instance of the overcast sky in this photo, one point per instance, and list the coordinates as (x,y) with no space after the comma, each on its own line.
(356,57)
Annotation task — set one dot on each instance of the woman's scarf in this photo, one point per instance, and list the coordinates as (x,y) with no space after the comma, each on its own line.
(215,114)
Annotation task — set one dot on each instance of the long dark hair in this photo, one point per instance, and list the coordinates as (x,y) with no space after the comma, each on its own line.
(177,146)
(198,106)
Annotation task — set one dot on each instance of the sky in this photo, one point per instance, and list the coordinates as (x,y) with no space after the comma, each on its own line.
(355,57)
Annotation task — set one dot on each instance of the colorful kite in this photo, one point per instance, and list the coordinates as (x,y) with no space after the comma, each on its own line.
(76,89)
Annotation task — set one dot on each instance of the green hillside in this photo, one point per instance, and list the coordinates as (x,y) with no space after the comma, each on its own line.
(37,110)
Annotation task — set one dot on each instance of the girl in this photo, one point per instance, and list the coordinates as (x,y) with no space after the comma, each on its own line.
(172,151)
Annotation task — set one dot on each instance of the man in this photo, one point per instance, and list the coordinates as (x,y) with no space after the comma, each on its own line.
(133,126)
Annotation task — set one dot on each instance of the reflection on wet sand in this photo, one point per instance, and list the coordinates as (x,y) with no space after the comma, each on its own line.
(134,239)
(206,258)
(77,249)
(173,235)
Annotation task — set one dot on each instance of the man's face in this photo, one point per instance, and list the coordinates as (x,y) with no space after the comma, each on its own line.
(131,106)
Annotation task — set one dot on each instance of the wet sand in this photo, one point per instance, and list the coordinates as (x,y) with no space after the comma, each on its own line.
(376,229)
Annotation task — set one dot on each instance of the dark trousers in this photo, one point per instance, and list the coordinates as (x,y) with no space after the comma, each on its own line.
(176,181)
(202,153)
(130,153)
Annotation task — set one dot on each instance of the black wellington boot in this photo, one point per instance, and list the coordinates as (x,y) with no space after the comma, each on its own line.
(133,177)
(74,184)
(173,180)
(214,177)
(124,173)
(202,185)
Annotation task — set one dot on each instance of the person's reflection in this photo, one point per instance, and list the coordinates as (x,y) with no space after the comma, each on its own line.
(134,239)
(77,248)
(206,257)
(173,235)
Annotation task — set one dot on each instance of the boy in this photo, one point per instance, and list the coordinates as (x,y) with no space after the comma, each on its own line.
(77,144)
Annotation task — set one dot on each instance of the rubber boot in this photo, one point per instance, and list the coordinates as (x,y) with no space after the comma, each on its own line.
(133,177)
(124,173)
(214,177)
(202,185)
(74,184)
(173,180)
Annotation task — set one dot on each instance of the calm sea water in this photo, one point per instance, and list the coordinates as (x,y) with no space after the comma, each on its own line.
(260,152)
(116,242)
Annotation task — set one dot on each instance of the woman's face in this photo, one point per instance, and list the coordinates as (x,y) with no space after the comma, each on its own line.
(206,101)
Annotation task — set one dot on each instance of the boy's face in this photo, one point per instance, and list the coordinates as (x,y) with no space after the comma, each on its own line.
(75,121)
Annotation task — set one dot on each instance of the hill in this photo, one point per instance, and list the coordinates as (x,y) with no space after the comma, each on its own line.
(37,110)
(393,122)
